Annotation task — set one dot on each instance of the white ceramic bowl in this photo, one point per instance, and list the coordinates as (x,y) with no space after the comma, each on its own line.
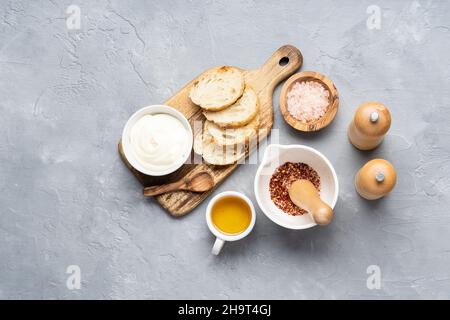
(275,156)
(154,109)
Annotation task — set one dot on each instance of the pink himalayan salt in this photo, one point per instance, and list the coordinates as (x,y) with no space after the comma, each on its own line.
(307,101)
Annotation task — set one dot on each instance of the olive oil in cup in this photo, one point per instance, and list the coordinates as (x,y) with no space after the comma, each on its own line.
(230,216)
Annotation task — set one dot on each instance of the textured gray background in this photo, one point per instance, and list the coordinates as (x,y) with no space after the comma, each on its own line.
(66,198)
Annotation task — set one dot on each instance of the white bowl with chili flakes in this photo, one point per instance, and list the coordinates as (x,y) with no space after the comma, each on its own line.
(297,156)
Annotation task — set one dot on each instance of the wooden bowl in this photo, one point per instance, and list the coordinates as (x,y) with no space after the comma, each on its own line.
(332,108)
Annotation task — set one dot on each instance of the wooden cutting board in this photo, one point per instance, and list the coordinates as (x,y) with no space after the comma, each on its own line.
(283,63)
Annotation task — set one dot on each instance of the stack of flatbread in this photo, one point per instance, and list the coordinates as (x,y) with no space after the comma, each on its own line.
(231,108)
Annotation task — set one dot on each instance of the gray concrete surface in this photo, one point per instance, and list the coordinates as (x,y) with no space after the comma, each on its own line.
(67,199)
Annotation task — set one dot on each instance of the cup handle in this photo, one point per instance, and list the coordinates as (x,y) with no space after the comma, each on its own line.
(217,246)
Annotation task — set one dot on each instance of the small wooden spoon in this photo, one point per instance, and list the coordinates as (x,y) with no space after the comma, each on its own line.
(304,195)
(200,182)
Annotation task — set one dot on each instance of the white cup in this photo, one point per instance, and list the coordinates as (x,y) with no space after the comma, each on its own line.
(220,236)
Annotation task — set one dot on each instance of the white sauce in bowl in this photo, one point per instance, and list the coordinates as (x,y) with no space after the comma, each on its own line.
(159,141)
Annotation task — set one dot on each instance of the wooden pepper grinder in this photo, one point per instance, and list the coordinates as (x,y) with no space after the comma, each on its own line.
(375,179)
(371,122)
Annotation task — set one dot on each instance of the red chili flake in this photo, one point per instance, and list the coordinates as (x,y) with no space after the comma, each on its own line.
(282,179)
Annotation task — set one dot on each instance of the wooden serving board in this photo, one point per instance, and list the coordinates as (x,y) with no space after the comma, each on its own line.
(283,63)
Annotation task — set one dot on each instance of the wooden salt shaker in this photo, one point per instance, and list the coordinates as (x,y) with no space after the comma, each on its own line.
(371,122)
(375,179)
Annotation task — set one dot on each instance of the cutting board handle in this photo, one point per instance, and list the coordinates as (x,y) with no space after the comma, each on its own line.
(283,63)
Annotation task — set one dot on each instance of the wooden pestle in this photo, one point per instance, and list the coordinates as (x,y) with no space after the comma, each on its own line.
(304,195)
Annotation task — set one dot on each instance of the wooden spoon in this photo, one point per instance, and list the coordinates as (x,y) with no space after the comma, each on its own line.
(304,195)
(200,182)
